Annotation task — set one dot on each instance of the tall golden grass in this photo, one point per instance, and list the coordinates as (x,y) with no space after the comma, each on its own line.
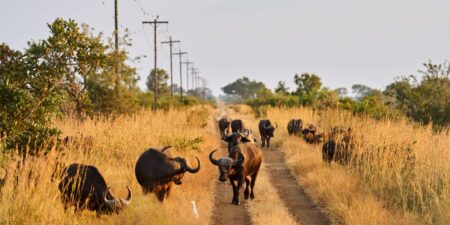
(399,174)
(34,199)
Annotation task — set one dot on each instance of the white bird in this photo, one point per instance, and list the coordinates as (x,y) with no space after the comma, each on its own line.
(194,210)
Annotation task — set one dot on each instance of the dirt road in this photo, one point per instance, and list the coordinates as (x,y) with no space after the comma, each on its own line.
(302,208)
(294,197)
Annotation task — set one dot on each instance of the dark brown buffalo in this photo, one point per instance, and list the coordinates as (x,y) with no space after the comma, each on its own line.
(237,125)
(266,130)
(295,127)
(85,188)
(339,147)
(239,166)
(223,125)
(156,172)
(235,138)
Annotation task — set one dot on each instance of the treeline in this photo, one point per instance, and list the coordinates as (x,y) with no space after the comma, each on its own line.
(424,97)
(72,72)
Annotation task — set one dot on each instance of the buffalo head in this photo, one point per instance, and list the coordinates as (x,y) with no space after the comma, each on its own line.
(225,165)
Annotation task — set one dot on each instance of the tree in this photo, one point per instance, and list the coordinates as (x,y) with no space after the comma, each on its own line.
(162,75)
(282,88)
(427,100)
(361,90)
(244,88)
(308,86)
(341,92)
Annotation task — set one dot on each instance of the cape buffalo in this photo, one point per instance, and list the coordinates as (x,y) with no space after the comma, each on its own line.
(85,188)
(266,131)
(223,125)
(239,166)
(295,126)
(235,138)
(328,151)
(156,172)
(237,125)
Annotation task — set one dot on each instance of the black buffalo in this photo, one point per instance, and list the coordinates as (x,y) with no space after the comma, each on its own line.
(85,188)
(295,126)
(223,125)
(340,150)
(240,165)
(156,172)
(266,130)
(235,138)
(237,125)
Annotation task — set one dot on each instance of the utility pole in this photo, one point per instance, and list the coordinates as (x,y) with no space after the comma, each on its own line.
(170,42)
(155,23)
(180,54)
(116,25)
(194,72)
(187,74)
(116,44)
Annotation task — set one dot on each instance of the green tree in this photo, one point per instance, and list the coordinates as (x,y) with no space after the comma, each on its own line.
(361,90)
(341,92)
(244,88)
(308,86)
(163,88)
(427,100)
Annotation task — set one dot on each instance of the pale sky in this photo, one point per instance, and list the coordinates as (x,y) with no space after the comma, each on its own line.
(343,41)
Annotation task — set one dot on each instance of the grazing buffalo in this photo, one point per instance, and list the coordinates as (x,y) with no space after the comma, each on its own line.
(85,188)
(340,150)
(328,151)
(266,131)
(237,125)
(239,166)
(157,172)
(295,126)
(235,138)
(223,125)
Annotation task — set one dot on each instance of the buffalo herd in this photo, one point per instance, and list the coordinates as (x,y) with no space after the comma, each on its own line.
(83,186)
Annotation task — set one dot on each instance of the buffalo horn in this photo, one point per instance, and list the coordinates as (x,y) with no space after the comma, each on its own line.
(110,202)
(128,200)
(165,148)
(195,170)
(213,161)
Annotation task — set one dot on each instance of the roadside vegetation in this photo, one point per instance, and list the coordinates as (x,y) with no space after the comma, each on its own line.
(31,197)
(398,173)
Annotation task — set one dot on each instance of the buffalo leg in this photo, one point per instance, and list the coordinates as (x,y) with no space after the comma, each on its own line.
(247,190)
(268,142)
(252,184)
(236,190)
(263,141)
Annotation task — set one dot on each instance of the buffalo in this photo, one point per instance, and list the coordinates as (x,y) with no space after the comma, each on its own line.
(339,150)
(156,172)
(240,165)
(235,138)
(237,125)
(266,131)
(295,126)
(223,125)
(85,188)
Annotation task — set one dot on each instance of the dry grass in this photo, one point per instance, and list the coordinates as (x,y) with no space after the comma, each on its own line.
(399,174)
(34,199)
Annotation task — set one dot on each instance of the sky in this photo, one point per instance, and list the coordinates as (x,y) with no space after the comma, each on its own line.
(345,42)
